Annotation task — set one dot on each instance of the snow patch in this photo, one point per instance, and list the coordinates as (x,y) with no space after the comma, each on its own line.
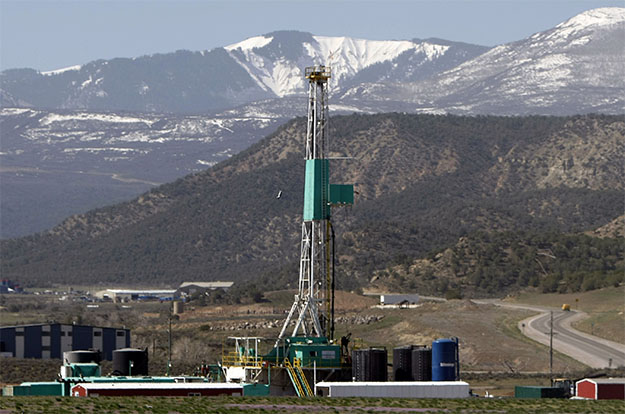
(13,111)
(251,43)
(59,71)
(51,118)
(98,150)
(551,62)
(347,108)
(206,163)
(86,83)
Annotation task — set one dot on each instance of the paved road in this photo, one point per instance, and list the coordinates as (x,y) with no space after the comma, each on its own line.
(591,350)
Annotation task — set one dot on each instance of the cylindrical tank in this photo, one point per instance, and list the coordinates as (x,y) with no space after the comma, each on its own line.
(445,366)
(130,361)
(82,357)
(370,364)
(360,364)
(378,364)
(66,371)
(178,307)
(402,363)
(422,364)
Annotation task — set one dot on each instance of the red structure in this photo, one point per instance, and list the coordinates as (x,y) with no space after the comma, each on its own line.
(601,388)
(168,389)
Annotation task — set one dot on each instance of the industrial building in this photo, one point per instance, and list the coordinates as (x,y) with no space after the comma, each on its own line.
(125,295)
(47,341)
(398,299)
(601,388)
(189,288)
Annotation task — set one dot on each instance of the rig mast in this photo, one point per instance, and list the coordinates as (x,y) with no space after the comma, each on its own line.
(312,309)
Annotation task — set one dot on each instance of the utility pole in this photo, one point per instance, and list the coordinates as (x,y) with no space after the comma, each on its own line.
(169,345)
(551,348)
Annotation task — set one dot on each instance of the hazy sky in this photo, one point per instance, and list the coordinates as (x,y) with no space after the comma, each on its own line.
(53,34)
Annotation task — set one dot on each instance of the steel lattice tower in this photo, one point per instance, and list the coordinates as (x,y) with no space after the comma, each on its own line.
(311,308)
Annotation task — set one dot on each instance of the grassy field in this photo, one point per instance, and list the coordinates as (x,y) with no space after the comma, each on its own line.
(224,405)
(605,308)
(489,338)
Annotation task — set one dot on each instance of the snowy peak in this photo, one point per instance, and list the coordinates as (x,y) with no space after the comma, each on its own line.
(575,67)
(275,60)
(581,29)
(255,42)
(602,17)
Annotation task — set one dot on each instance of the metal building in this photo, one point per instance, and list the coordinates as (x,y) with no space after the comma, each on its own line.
(601,388)
(51,340)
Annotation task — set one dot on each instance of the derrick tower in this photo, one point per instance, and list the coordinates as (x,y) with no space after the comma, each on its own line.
(312,308)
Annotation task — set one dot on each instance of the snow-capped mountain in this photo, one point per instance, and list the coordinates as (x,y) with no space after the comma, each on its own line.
(122,125)
(275,60)
(259,68)
(576,67)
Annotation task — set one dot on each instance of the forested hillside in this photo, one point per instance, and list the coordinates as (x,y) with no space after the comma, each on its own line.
(424,184)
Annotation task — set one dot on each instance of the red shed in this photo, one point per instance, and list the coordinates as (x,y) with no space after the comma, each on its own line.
(156,389)
(601,388)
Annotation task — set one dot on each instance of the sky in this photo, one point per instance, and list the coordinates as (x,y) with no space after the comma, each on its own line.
(54,34)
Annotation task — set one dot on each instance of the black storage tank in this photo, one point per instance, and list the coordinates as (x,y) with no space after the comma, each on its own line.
(378,370)
(82,357)
(422,364)
(370,364)
(360,364)
(402,363)
(130,361)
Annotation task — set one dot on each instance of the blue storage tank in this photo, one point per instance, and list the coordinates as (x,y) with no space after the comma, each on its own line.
(445,364)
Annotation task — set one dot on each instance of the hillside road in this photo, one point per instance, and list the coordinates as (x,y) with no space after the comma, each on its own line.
(590,350)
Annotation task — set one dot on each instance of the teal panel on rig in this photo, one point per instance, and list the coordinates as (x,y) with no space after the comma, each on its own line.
(321,355)
(316,190)
(341,194)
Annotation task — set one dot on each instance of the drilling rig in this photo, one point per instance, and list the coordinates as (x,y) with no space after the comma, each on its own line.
(313,305)
(306,343)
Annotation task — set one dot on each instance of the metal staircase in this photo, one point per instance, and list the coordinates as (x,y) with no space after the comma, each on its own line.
(300,383)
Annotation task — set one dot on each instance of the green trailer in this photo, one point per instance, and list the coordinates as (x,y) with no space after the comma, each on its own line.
(35,388)
(526,391)
(255,390)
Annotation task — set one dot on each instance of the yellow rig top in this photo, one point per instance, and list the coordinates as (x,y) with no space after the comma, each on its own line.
(318,73)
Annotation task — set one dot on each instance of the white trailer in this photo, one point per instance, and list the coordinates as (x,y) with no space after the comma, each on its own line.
(403,389)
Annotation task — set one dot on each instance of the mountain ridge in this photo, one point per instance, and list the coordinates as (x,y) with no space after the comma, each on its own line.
(565,60)
(251,70)
(202,107)
(423,182)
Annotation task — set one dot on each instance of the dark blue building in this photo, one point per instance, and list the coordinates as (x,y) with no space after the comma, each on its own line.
(51,340)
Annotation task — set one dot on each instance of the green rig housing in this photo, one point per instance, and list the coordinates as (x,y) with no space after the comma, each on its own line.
(319,195)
